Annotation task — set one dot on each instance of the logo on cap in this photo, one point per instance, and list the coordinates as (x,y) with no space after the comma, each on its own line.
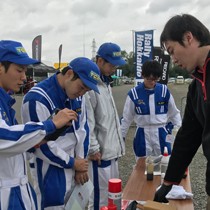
(94,75)
(20,50)
(117,54)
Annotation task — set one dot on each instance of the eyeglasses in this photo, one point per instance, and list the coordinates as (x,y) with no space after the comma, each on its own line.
(152,79)
(111,65)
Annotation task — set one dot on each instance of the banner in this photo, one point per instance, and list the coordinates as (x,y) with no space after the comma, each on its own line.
(37,48)
(165,64)
(59,56)
(143,48)
(157,54)
(164,60)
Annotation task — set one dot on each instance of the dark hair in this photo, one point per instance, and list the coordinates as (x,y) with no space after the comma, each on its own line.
(65,69)
(152,67)
(178,25)
(6,64)
(97,57)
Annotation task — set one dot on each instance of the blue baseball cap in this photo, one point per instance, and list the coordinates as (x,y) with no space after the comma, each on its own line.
(87,71)
(14,52)
(112,53)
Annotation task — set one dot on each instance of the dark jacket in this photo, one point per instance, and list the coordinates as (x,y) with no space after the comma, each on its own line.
(195,128)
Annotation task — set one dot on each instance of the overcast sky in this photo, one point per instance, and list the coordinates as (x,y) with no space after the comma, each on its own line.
(75,23)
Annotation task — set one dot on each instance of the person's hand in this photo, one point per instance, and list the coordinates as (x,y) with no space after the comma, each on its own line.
(64,117)
(160,195)
(81,177)
(80,165)
(96,157)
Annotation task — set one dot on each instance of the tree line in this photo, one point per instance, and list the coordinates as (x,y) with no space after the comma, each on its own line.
(129,68)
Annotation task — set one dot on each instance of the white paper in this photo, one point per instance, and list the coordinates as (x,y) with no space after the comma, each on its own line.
(80,196)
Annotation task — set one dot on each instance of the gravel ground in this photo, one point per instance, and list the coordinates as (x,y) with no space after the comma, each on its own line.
(198,165)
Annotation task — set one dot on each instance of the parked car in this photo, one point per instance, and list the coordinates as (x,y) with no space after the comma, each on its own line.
(188,80)
(128,81)
(180,80)
(172,80)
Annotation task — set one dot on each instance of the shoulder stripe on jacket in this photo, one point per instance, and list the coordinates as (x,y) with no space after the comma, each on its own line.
(164,90)
(43,93)
(135,95)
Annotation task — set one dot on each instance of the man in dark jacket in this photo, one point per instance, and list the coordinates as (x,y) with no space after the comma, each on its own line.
(187,41)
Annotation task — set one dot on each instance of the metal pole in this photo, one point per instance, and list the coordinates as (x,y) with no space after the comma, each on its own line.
(134,61)
(183,104)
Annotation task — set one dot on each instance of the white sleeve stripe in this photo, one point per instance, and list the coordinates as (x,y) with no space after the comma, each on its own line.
(135,96)
(164,90)
(43,93)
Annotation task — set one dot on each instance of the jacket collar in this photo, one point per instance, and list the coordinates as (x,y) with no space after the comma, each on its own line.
(7,98)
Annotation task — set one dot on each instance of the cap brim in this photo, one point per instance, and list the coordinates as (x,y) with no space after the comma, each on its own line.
(117,62)
(24,61)
(90,85)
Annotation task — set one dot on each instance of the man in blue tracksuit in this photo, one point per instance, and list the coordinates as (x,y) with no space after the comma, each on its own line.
(58,163)
(15,190)
(152,108)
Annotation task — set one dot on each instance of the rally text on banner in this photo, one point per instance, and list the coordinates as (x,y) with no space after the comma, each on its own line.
(143,46)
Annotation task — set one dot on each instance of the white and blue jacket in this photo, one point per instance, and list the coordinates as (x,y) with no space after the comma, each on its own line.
(151,110)
(15,190)
(54,160)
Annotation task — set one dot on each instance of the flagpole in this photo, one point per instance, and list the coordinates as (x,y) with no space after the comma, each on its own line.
(134,62)
(59,56)
(133,34)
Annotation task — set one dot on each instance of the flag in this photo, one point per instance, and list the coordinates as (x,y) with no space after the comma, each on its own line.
(157,54)
(37,48)
(143,47)
(164,60)
(59,56)
(165,64)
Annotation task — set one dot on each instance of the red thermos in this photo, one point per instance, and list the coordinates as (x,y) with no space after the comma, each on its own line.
(115,193)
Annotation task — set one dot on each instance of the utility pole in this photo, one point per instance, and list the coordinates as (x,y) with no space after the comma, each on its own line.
(83,39)
(93,50)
